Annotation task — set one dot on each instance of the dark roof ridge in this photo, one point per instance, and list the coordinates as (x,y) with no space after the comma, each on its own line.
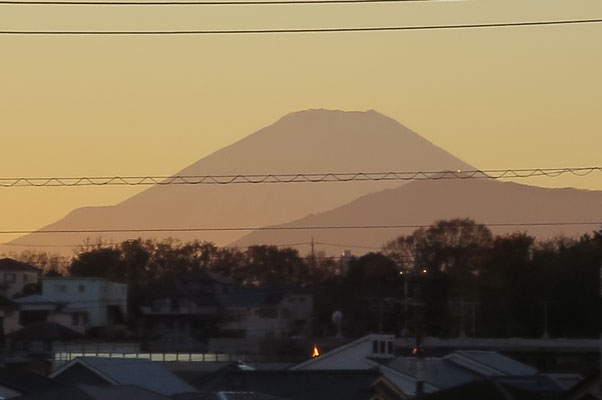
(10,264)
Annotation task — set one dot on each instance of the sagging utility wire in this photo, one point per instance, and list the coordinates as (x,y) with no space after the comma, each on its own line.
(292,178)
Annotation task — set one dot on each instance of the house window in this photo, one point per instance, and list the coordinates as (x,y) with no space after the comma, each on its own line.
(382,347)
(390,347)
(85,319)
(81,288)
(10,277)
(375,346)
(60,288)
(25,277)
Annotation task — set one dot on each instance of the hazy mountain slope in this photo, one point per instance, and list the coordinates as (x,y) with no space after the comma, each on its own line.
(306,141)
(417,203)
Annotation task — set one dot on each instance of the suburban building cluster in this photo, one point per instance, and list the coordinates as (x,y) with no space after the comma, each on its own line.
(201,336)
(42,314)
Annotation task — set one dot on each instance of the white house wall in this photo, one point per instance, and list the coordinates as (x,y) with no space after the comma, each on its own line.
(87,295)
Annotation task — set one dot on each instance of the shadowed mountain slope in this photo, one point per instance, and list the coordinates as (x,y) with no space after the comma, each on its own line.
(306,141)
(421,203)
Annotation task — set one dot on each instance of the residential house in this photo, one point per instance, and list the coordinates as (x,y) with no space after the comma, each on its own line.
(355,355)
(36,308)
(142,373)
(15,275)
(258,312)
(9,315)
(175,308)
(37,340)
(436,373)
(91,302)
(186,307)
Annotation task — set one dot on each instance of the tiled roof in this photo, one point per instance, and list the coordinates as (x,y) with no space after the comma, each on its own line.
(8,264)
(492,359)
(138,372)
(437,371)
(121,392)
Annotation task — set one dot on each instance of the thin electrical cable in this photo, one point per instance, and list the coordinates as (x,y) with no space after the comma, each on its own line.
(204,3)
(281,228)
(111,244)
(304,30)
(509,173)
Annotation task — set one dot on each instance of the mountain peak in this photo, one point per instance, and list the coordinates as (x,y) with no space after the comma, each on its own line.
(326,114)
(306,141)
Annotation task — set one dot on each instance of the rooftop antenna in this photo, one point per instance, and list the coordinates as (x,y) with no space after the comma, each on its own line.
(337,319)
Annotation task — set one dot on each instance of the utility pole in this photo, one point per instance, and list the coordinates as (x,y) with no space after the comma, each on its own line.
(600,387)
(419,349)
(380,315)
(546,334)
(406,305)
(474,319)
(462,323)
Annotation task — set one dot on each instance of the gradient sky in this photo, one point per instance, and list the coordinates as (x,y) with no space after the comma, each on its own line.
(496,98)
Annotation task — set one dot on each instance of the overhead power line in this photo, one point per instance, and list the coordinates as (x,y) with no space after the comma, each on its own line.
(303,30)
(111,244)
(293,178)
(280,228)
(203,3)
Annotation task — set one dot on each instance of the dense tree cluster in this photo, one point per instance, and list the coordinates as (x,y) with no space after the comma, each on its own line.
(454,277)
(141,262)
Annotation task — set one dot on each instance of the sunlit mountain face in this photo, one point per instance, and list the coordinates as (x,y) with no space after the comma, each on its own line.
(306,141)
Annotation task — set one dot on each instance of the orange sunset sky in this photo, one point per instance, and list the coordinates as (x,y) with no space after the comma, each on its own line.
(123,105)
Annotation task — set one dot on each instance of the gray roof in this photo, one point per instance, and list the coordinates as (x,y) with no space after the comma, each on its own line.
(462,367)
(505,365)
(532,383)
(121,392)
(130,371)
(437,371)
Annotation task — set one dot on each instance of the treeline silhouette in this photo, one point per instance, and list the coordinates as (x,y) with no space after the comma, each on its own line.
(452,278)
